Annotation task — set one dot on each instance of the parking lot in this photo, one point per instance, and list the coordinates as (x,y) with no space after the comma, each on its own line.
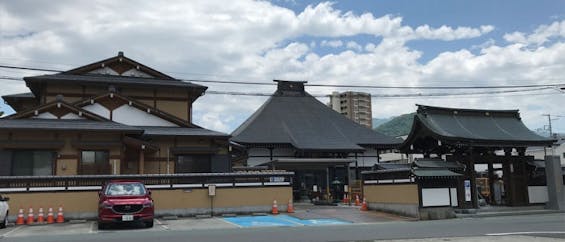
(304,216)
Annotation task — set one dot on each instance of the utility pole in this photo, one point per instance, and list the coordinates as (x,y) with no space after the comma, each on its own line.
(549,126)
(556,117)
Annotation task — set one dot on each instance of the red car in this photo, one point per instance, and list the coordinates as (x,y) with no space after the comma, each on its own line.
(123,202)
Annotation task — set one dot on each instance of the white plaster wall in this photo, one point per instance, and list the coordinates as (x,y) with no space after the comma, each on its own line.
(98,109)
(129,115)
(136,73)
(46,115)
(71,116)
(277,154)
(538,194)
(435,197)
(539,153)
(104,70)
(454,202)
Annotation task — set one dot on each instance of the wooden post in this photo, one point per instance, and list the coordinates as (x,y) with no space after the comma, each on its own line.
(328,182)
(491,179)
(473,177)
(141,162)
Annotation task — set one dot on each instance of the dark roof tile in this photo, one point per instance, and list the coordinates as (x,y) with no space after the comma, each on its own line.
(292,116)
(113,79)
(179,131)
(66,124)
(476,127)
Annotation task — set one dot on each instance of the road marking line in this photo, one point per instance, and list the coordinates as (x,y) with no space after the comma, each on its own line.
(290,221)
(162,224)
(226,221)
(12,231)
(530,232)
(92,228)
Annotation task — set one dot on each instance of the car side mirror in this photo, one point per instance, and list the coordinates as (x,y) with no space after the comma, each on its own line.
(5,199)
(149,192)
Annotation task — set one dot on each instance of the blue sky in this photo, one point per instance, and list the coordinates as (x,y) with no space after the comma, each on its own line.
(506,16)
(403,43)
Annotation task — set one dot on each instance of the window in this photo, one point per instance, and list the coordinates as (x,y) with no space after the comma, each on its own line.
(193,163)
(32,163)
(125,189)
(94,162)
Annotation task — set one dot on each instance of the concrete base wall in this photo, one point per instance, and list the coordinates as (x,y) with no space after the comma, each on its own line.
(436,213)
(179,202)
(198,211)
(414,211)
(410,210)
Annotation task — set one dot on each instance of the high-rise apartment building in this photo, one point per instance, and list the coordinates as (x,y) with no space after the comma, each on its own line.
(354,105)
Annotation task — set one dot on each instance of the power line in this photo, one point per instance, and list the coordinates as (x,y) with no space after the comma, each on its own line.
(409,95)
(334,85)
(28,68)
(389,95)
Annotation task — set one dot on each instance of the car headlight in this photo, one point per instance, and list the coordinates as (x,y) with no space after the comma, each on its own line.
(148,204)
(106,205)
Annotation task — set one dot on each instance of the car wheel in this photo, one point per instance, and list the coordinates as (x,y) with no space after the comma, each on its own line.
(149,224)
(5,222)
(102,225)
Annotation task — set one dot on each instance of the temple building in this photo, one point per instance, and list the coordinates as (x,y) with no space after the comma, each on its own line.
(471,137)
(294,131)
(114,116)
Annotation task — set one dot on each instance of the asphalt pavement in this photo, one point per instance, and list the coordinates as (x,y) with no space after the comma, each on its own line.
(544,227)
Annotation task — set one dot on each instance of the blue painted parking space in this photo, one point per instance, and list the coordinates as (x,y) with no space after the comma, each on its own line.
(260,221)
(313,222)
(280,220)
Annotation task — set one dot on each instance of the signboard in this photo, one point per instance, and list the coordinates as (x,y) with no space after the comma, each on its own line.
(211,190)
(276,179)
(467,190)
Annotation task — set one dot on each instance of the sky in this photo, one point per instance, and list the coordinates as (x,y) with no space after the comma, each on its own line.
(385,43)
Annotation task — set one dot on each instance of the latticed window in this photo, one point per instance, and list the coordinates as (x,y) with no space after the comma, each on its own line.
(94,162)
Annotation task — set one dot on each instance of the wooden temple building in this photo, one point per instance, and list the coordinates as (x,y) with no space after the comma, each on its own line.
(114,116)
(470,137)
(294,131)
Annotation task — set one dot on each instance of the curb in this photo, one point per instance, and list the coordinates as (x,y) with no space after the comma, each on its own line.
(509,213)
(170,217)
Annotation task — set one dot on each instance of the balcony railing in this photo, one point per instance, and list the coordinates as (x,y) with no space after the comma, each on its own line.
(13,184)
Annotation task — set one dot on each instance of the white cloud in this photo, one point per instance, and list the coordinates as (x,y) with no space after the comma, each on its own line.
(324,20)
(354,46)
(541,35)
(257,41)
(331,43)
(484,45)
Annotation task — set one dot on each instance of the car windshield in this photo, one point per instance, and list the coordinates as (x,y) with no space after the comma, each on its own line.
(125,189)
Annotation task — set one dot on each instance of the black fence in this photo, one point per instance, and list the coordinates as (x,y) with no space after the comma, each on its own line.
(10,184)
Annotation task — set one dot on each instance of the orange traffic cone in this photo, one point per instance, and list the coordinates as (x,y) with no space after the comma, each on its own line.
(275,209)
(20,220)
(30,217)
(40,218)
(344,198)
(50,219)
(364,206)
(290,208)
(60,217)
(357,202)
